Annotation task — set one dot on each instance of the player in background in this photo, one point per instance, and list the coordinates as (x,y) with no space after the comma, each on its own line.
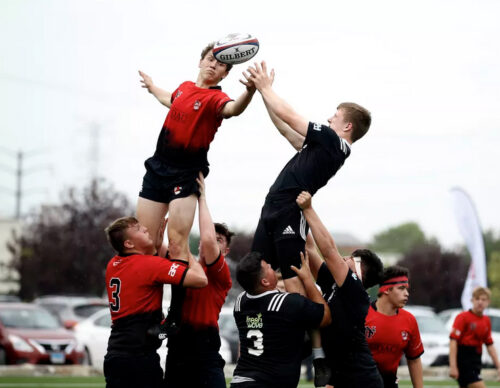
(391,331)
(196,112)
(272,324)
(193,358)
(134,283)
(471,329)
(343,281)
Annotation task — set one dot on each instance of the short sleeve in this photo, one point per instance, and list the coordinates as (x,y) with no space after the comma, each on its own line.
(308,314)
(166,271)
(176,93)
(415,347)
(218,273)
(220,100)
(458,327)
(325,136)
(488,339)
(325,279)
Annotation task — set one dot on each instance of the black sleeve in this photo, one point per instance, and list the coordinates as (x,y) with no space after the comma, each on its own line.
(355,296)
(308,314)
(325,279)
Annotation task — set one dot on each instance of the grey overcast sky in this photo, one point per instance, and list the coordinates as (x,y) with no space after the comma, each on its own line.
(429,71)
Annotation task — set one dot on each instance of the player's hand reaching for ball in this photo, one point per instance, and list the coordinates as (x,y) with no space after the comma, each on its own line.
(259,76)
(304,200)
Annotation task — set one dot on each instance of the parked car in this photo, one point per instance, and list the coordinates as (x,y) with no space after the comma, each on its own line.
(448,317)
(30,334)
(93,332)
(229,331)
(71,309)
(434,336)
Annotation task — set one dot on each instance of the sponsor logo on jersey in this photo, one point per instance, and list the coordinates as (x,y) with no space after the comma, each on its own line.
(317,127)
(197,105)
(405,335)
(370,331)
(173,269)
(288,230)
(177,190)
(255,322)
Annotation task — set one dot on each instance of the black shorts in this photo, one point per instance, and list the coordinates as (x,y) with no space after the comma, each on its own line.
(194,373)
(163,183)
(281,234)
(133,371)
(469,365)
(390,380)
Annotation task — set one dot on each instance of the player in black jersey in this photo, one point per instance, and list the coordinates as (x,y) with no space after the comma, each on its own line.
(272,324)
(343,281)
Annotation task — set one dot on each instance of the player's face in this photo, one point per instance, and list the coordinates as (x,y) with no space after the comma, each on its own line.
(398,296)
(337,122)
(222,243)
(211,70)
(480,303)
(139,237)
(269,274)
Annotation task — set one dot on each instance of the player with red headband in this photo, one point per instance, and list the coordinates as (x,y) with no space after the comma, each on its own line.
(471,329)
(391,331)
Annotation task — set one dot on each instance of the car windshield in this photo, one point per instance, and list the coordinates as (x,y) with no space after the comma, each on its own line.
(430,324)
(85,311)
(27,318)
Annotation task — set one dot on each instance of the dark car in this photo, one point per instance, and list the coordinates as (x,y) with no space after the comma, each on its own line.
(30,334)
(71,309)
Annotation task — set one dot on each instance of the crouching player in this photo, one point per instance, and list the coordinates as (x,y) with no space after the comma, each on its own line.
(470,331)
(391,331)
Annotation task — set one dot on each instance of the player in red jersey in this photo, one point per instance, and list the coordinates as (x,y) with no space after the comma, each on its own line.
(391,331)
(471,329)
(193,358)
(134,283)
(196,112)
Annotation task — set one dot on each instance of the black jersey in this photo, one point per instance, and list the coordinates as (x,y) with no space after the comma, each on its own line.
(321,156)
(272,326)
(344,340)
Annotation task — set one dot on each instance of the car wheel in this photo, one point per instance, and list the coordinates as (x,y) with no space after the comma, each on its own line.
(3,357)
(86,358)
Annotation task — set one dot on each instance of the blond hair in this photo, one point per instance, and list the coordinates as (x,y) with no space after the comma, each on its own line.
(478,291)
(115,232)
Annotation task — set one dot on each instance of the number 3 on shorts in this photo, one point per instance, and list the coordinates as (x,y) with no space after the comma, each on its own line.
(258,342)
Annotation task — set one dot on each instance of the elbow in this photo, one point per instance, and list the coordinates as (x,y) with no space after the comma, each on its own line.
(201,281)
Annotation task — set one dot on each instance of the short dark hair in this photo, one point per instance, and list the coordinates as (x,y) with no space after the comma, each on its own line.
(210,47)
(373,267)
(222,228)
(249,272)
(392,272)
(115,232)
(359,117)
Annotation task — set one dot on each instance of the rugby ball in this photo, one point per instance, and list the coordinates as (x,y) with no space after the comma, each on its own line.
(235,48)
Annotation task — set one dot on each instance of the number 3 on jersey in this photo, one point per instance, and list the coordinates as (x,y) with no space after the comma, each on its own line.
(115,284)
(258,342)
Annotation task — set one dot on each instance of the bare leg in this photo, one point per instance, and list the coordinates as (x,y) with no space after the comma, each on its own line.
(180,221)
(477,384)
(151,214)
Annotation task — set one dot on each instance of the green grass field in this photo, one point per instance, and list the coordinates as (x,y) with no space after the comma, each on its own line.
(98,382)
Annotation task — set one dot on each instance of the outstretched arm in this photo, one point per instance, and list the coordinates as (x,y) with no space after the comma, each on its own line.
(334,261)
(278,106)
(209,249)
(312,292)
(161,95)
(238,106)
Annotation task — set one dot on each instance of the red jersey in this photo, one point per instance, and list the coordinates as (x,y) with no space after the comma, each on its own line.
(470,329)
(135,283)
(201,307)
(389,336)
(190,125)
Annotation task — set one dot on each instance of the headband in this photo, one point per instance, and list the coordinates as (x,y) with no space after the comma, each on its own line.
(400,280)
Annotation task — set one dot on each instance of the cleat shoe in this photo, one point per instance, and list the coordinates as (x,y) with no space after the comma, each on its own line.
(322,372)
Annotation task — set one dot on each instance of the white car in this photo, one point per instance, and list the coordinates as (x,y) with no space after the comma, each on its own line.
(94,333)
(448,317)
(434,335)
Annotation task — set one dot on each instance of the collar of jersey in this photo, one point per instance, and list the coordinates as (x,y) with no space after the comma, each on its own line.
(261,295)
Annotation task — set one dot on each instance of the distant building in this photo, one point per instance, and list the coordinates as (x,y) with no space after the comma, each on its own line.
(9,278)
